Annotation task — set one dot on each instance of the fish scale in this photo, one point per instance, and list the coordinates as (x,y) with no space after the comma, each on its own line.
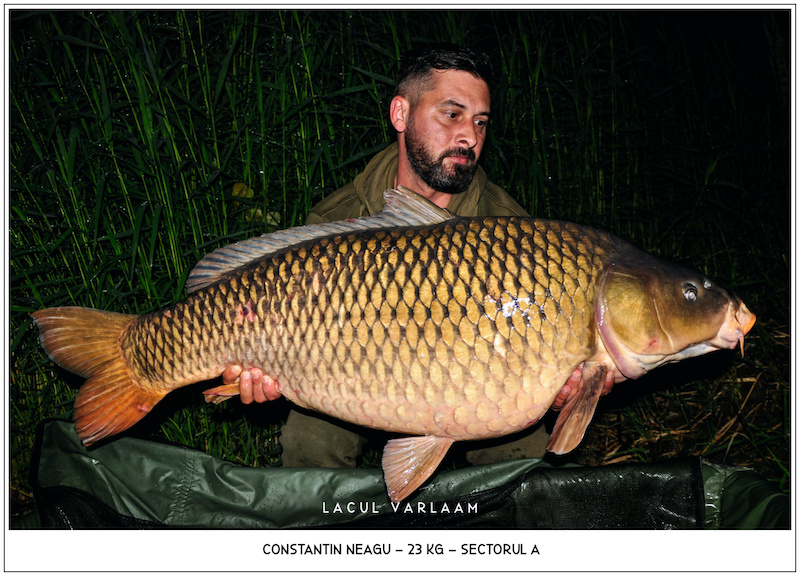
(326,321)
(411,321)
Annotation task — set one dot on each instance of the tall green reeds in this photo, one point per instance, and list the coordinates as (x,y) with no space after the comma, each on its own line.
(139,141)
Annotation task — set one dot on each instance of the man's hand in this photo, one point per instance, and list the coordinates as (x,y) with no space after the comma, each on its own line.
(254,385)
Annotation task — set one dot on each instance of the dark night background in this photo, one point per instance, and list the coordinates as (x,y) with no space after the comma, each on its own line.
(139,141)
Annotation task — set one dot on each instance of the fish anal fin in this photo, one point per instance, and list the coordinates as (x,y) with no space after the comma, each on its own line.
(269,386)
(221,393)
(408,462)
(578,411)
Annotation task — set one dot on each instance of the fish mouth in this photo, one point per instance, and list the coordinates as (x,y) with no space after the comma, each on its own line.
(737,324)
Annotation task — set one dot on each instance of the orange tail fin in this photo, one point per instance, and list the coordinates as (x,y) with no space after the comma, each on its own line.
(88,343)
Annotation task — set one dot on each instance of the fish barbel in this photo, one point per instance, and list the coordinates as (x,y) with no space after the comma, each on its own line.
(412,321)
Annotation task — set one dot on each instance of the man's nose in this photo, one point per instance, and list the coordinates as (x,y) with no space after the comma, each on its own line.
(467,135)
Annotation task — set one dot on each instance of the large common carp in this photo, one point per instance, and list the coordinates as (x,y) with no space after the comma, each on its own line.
(412,321)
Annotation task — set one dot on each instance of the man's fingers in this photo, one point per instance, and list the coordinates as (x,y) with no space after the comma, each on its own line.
(246,387)
(258,385)
(231,374)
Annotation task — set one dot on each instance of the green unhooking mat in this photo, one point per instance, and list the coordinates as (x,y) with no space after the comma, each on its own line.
(136,483)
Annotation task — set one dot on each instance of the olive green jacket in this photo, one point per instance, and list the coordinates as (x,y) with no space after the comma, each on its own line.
(364,195)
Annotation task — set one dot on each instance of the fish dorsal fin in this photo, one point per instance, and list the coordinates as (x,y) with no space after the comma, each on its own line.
(416,209)
(403,207)
(408,462)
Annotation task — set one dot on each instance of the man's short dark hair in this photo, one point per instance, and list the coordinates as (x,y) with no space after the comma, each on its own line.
(414,76)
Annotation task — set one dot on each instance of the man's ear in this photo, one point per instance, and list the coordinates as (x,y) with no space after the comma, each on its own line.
(399,113)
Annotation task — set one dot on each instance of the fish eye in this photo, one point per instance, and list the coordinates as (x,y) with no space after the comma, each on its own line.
(690,292)
(707,284)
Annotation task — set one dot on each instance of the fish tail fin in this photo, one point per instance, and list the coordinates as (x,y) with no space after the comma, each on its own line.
(88,343)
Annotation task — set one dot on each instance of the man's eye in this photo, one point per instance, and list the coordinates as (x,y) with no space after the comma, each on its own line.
(481,123)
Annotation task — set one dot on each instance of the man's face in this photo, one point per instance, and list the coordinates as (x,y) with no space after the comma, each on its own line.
(446,131)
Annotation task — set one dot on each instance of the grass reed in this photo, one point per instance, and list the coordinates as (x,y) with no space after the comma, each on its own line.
(139,141)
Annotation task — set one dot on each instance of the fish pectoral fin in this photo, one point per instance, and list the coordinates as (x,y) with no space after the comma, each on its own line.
(221,393)
(576,414)
(408,462)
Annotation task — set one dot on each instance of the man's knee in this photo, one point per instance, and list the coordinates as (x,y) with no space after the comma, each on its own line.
(309,441)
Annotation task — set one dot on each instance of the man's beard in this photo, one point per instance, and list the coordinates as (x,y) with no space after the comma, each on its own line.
(433,172)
